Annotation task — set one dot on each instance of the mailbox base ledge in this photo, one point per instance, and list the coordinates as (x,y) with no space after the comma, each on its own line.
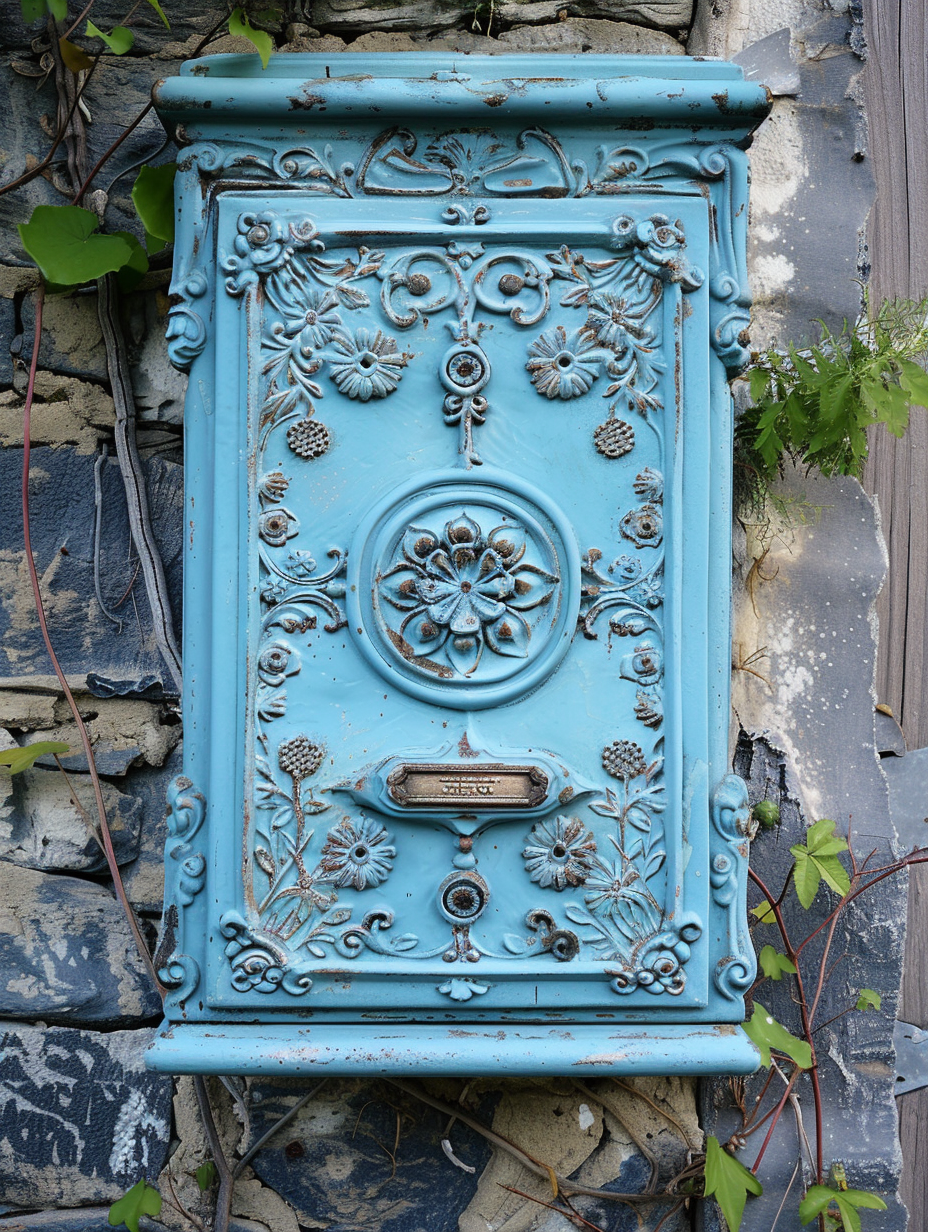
(426,1051)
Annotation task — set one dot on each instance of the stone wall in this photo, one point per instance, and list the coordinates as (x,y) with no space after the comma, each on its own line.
(80,1119)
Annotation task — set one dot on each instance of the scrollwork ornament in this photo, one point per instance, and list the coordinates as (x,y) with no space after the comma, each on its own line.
(186,331)
(180,975)
(733,828)
(258,963)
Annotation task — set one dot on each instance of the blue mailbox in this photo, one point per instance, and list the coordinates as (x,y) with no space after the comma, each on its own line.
(456,627)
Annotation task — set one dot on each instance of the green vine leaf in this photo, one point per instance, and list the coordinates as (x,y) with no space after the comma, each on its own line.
(206,1175)
(32,10)
(240,26)
(764,913)
(119,39)
(160,11)
(153,198)
(65,245)
(136,267)
(141,1199)
(867,999)
(817,861)
(848,1201)
(767,1033)
(774,964)
(729,1182)
(14,761)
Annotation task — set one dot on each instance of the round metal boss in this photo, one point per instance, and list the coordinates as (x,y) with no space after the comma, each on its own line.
(462,897)
(465,369)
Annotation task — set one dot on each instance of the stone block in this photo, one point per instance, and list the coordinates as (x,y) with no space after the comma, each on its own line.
(62,488)
(354,17)
(144,877)
(582,34)
(662,14)
(66,953)
(81,1119)
(45,830)
(65,411)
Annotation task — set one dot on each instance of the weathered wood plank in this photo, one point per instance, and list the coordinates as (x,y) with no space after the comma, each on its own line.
(897,92)
(897,472)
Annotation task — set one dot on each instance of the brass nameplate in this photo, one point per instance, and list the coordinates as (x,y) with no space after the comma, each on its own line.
(467,787)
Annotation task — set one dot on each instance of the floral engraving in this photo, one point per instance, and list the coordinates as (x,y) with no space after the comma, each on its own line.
(621,917)
(357,854)
(559,853)
(463,591)
(564,365)
(366,365)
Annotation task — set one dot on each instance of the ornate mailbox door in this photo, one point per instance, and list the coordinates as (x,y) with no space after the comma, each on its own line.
(458,572)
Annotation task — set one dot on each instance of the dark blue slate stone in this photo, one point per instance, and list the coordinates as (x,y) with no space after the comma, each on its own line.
(82,1119)
(66,954)
(62,522)
(340,1163)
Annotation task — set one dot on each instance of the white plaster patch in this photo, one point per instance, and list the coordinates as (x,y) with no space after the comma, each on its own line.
(586,1117)
(772,273)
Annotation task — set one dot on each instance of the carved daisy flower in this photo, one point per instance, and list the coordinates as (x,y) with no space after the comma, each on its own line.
(564,365)
(357,854)
(315,322)
(371,367)
(558,853)
(616,322)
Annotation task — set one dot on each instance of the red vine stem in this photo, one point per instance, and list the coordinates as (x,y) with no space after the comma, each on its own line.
(793,956)
(62,679)
(776,1114)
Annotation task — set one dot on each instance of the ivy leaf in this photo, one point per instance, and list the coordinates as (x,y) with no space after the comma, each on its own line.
(817,861)
(773,964)
(869,1000)
(914,380)
(848,1201)
(14,761)
(141,1199)
(767,1033)
(206,1175)
(136,267)
(153,198)
(64,243)
(119,39)
(729,1182)
(58,9)
(240,26)
(75,59)
(32,10)
(160,11)
(764,913)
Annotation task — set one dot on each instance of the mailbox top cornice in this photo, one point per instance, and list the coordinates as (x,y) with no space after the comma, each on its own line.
(642,93)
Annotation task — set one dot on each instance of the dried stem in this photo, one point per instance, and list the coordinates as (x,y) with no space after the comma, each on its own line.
(62,679)
(226,1179)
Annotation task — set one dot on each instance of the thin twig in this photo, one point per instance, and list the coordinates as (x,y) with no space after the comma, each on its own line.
(657,1108)
(635,1137)
(62,679)
(533,1165)
(275,1128)
(226,1179)
(130,468)
(574,1216)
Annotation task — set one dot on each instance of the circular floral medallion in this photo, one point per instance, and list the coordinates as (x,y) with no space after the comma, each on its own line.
(465,591)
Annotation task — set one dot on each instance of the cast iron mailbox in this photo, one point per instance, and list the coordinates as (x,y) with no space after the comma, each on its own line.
(458,571)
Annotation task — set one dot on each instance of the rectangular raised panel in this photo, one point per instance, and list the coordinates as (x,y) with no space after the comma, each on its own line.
(457,640)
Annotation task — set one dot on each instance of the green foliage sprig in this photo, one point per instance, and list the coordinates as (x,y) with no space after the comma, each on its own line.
(814,404)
